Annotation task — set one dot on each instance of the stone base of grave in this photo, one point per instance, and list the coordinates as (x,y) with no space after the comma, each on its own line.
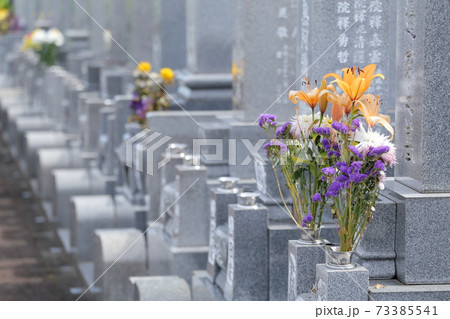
(73,182)
(379,267)
(36,140)
(376,251)
(203,289)
(25,124)
(168,288)
(394,290)
(54,158)
(165,259)
(421,235)
(89,213)
(342,284)
(125,250)
(206,91)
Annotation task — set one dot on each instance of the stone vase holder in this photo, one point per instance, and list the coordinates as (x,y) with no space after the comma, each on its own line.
(333,284)
(309,236)
(337,259)
(303,258)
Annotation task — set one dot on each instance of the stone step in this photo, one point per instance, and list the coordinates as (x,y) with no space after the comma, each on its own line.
(394,290)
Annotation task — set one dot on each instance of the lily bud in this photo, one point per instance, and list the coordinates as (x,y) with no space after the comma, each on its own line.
(323,102)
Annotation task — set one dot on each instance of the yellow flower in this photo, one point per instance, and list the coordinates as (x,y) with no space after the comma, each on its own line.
(144,67)
(369,107)
(4,13)
(355,82)
(167,74)
(311,97)
(235,70)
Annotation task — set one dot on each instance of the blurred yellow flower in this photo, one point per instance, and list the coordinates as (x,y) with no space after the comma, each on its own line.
(4,13)
(167,74)
(144,67)
(355,82)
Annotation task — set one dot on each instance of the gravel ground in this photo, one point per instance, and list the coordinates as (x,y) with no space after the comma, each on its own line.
(33,264)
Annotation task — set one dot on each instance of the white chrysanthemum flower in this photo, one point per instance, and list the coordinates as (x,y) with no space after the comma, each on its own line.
(39,36)
(302,125)
(371,139)
(55,36)
(381,180)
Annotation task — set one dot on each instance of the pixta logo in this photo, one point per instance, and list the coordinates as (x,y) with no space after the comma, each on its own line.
(141,148)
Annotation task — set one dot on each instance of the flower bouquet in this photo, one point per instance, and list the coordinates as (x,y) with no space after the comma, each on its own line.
(334,161)
(8,20)
(149,93)
(45,43)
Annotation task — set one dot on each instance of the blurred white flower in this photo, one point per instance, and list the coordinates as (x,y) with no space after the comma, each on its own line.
(39,36)
(55,36)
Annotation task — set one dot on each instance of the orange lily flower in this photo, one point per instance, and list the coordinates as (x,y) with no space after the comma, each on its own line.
(340,103)
(311,97)
(369,108)
(355,83)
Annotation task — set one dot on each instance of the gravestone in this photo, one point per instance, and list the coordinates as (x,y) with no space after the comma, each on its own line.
(119,29)
(421,189)
(207,84)
(168,34)
(421,114)
(141,45)
(99,13)
(356,33)
(220,198)
(247,258)
(257,87)
(181,242)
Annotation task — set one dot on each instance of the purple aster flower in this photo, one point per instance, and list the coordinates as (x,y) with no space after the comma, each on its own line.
(282,130)
(275,143)
(355,151)
(355,124)
(333,153)
(341,178)
(328,171)
(336,147)
(340,164)
(322,130)
(333,189)
(340,127)
(326,144)
(303,224)
(317,197)
(357,178)
(378,151)
(307,219)
(137,104)
(356,166)
(380,165)
(267,119)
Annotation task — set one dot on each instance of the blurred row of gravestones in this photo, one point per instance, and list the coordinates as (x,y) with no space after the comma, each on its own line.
(209,227)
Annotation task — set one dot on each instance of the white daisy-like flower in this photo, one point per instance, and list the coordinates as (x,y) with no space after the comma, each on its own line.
(371,139)
(302,125)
